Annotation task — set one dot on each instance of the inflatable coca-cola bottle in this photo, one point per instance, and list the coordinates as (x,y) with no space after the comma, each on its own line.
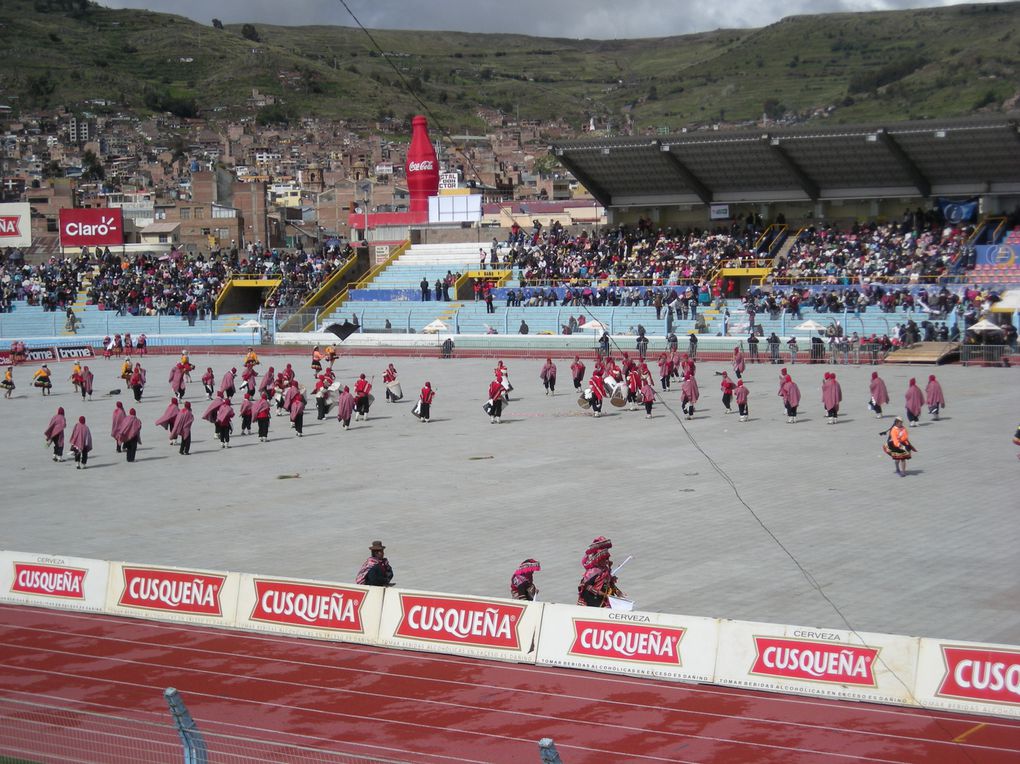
(422,167)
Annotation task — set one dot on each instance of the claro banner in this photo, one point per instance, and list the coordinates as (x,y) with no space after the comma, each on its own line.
(341,612)
(483,628)
(58,581)
(172,594)
(970,677)
(91,228)
(15,225)
(639,644)
(816,661)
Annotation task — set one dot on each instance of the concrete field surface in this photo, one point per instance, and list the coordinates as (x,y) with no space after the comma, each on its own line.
(459,502)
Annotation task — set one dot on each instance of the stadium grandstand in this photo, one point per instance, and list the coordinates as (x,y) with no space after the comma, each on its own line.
(900,231)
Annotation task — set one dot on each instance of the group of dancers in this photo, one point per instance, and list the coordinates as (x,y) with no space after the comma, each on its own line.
(598,586)
(624,381)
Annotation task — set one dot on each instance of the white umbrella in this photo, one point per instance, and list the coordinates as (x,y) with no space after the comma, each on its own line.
(434,327)
(597,326)
(984,325)
(810,326)
(252,325)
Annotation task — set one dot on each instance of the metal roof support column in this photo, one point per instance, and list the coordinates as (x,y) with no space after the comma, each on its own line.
(594,188)
(805,181)
(703,192)
(920,182)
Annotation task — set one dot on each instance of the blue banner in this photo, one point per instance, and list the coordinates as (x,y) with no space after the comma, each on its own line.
(998,254)
(959,212)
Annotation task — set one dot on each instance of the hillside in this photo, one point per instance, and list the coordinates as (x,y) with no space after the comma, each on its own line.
(860,67)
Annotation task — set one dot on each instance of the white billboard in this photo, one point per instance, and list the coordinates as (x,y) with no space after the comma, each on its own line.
(15,225)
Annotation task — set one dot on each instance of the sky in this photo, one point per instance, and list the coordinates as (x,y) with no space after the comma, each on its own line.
(593,19)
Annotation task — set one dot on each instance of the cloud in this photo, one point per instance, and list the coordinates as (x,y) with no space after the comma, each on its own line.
(596,19)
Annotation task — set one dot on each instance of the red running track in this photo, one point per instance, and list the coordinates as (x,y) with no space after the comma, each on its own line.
(421,707)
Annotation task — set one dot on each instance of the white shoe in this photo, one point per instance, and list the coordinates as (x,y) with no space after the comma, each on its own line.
(648,416)
(492,420)
(426,421)
(794,420)
(77,466)
(499,420)
(878,416)
(743,419)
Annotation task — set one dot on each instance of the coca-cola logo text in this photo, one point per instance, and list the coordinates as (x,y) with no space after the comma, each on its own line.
(983,674)
(49,580)
(173,591)
(426,165)
(627,641)
(310,605)
(815,661)
(10,225)
(466,622)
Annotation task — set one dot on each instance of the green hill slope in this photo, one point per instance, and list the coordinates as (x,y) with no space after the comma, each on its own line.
(890,65)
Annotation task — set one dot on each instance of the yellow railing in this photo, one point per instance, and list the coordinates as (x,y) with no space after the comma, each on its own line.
(499,277)
(328,284)
(983,224)
(780,228)
(364,281)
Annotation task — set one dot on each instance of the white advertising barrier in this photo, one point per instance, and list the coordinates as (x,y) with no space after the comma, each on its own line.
(172,594)
(969,676)
(75,583)
(499,629)
(339,612)
(813,661)
(639,644)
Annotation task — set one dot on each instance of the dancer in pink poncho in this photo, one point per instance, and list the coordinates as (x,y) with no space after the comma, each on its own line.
(790,394)
(689,394)
(832,395)
(936,399)
(914,400)
(129,434)
(182,428)
(879,394)
(81,443)
(54,434)
(166,421)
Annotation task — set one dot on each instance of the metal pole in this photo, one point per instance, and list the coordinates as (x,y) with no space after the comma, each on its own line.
(547,750)
(191,739)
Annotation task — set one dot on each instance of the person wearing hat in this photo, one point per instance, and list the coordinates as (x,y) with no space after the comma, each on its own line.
(522,584)
(597,581)
(376,570)
(898,446)
(41,379)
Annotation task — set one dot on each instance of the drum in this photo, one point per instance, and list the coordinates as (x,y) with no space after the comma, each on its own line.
(583,402)
(416,411)
(396,393)
(619,397)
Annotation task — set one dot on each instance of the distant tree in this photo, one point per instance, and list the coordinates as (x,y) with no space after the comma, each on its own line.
(217,24)
(92,167)
(249,32)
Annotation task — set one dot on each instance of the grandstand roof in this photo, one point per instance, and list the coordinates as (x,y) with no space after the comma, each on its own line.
(906,159)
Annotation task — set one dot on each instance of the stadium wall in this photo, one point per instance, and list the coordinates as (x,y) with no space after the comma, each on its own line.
(823,662)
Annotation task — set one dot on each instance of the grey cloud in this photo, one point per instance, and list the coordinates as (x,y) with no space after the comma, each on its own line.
(596,19)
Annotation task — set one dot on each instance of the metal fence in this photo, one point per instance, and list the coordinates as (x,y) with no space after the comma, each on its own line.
(988,355)
(42,729)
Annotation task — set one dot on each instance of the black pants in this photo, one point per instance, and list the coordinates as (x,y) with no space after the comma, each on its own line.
(648,407)
(263,427)
(58,450)
(726,399)
(185,445)
(424,409)
(345,422)
(596,404)
(876,408)
(138,392)
(299,422)
(497,407)
(320,407)
(209,390)
(131,446)
(361,405)
(833,412)
(577,383)
(80,457)
(223,431)
(742,409)
(245,422)
(83,393)
(550,384)
(664,381)
(791,410)
(912,418)
(686,406)
(229,392)
(739,374)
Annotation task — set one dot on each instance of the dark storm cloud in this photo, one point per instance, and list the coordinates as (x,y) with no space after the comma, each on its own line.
(599,19)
